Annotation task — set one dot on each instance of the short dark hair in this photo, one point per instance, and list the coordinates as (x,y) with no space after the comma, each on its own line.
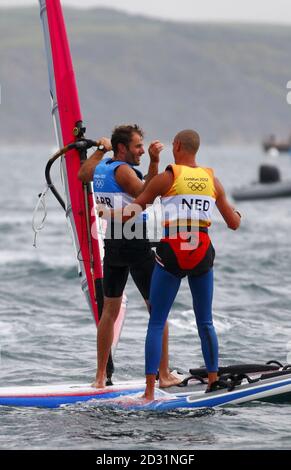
(123,135)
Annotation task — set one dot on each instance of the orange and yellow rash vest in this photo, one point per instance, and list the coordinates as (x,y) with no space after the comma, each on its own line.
(191,198)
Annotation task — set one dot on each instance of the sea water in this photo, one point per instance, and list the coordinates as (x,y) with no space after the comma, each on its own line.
(47,335)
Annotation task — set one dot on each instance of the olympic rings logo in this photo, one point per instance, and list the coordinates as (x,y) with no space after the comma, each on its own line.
(99,184)
(196,186)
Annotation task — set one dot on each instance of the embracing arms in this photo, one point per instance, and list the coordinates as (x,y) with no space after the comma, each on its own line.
(125,175)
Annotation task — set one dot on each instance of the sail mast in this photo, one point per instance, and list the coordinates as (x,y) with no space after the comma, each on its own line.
(69,127)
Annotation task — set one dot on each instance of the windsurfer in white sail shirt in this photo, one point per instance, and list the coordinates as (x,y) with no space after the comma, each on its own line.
(116,183)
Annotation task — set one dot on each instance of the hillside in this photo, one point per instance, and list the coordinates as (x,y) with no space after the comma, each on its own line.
(227,81)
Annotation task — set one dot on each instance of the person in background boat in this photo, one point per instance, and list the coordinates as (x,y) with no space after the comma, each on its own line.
(188,195)
(117,182)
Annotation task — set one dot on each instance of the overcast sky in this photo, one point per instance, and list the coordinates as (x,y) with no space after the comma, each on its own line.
(278,11)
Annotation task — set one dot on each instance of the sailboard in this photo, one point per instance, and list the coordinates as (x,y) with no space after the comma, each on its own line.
(273,386)
(70,134)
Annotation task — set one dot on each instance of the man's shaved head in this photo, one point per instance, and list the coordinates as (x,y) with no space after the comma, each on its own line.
(189,140)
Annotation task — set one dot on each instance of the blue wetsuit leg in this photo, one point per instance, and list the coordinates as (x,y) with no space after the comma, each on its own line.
(164,288)
(202,294)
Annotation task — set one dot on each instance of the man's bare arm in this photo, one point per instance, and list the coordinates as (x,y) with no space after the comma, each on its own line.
(230,215)
(155,149)
(87,168)
(158,186)
(128,179)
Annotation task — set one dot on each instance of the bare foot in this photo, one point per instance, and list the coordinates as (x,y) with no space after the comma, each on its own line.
(98,384)
(146,398)
(169,380)
(130,401)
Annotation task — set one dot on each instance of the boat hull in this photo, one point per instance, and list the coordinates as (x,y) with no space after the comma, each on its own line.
(262,191)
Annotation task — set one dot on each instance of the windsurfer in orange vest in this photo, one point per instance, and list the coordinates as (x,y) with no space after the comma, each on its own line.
(188,196)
